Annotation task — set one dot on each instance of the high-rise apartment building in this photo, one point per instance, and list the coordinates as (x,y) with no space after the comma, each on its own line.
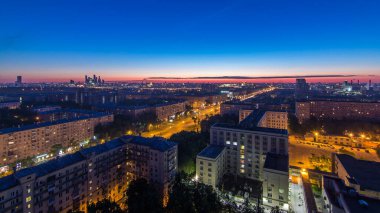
(302,89)
(67,183)
(267,119)
(30,140)
(104,171)
(330,109)
(18,80)
(154,159)
(241,150)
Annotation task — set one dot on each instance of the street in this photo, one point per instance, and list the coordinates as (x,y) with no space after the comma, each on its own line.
(167,129)
(300,151)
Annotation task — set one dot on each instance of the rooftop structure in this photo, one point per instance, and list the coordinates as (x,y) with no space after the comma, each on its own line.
(155,143)
(277,162)
(337,197)
(361,174)
(211,151)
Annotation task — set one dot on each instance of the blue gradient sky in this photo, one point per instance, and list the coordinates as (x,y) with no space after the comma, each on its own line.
(65,39)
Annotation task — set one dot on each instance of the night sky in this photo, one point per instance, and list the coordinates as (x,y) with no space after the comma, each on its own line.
(57,40)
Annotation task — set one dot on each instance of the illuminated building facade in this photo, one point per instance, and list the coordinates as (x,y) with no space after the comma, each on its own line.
(268,119)
(154,159)
(31,140)
(69,182)
(104,171)
(244,154)
(337,110)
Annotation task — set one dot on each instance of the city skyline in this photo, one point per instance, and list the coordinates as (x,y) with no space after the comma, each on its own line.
(137,40)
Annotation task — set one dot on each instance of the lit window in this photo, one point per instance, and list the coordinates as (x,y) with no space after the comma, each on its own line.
(235,143)
(28,199)
(228,142)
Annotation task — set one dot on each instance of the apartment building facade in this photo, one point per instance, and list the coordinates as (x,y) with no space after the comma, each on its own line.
(67,183)
(268,119)
(164,111)
(325,109)
(31,140)
(246,147)
(211,165)
(276,180)
(154,159)
(89,175)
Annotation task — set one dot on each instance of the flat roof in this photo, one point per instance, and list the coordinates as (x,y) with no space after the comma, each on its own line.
(362,172)
(253,119)
(254,129)
(277,162)
(155,143)
(50,123)
(350,199)
(211,151)
(250,123)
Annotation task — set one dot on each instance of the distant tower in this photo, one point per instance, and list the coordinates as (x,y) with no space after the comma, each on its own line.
(302,89)
(18,80)
(85,79)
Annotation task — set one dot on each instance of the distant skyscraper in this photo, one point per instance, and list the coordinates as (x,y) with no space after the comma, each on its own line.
(94,80)
(18,80)
(302,89)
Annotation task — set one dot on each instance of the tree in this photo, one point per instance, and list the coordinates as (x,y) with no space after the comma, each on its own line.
(227,118)
(189,145)
(247,207)
(276,210)
(188,196)
(104,205)
(143,197)
(229,204)
(179,196)
(56,148)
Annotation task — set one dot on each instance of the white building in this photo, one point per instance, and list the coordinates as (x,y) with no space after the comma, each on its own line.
(246,147)
(210,165)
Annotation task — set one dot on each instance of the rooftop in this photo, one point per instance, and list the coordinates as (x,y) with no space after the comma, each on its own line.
(350,197)
(362,172)
(211,151)
(155,143)
(250,123)
(115,143)
(277,162)
(255,129)
(50,123)
(253,119)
